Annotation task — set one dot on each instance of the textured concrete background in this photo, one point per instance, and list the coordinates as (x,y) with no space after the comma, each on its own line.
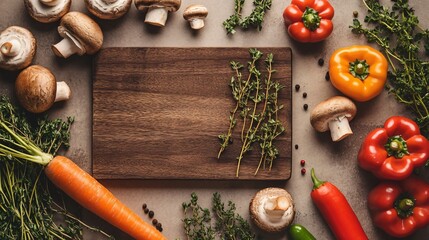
(335,162)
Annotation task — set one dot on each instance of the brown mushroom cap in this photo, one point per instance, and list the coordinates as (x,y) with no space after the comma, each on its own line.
(27,48)
(195,11)
(84,29)
(46,14)
(330,109)
(36,88)
(171,5)
(105,10)
(259,216)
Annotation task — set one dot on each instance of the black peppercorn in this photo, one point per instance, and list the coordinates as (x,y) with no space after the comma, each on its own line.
(305,106)
(151,214)
(154,221)
(321,61)
(304,95)
(146,210)
(144,206)
(159,225)
(355,14)
(327,77)
(297,87)
(296,146)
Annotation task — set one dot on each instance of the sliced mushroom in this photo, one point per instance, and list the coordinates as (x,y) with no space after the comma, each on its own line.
(195,15)
(81,35)
(17,48)
(334,114)
(47,11)
(272,209)
(157,10)
(37,89)
(108,9)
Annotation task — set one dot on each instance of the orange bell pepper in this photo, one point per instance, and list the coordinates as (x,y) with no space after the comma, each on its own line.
(359,72)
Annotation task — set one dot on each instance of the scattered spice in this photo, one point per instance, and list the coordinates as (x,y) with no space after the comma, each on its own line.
(303,171)
(154,221)
(304,95)
(321,62)
(302,162)
(327,77)
(296,146)
(146,210)
(151,214)
(305,107)
(144,206)
(297,87)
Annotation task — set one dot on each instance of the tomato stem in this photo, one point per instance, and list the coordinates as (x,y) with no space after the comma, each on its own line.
(311,19)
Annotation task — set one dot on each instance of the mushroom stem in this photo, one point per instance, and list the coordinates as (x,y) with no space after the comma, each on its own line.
(109,1)
(66,47)
(156,16)
(196,23)
(11,48)
(50,3)
(276,207)
(63,92)
(339,128)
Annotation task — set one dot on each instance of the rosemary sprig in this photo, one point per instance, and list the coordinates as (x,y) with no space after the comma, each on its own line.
(398,33)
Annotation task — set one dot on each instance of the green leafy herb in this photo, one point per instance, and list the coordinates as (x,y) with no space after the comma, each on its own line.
(228,225)
(257,100)
(255,19)
(27,208)
(398,33)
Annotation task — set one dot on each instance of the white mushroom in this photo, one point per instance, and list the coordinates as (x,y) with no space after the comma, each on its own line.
(157,10)
(272,209)
(334,114)
(47,11)
(17,48)
(81,35)
(37,89)
(195,15)
(108,9)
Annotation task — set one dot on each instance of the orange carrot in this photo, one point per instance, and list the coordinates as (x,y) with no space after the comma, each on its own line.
(80,186)
(93,196)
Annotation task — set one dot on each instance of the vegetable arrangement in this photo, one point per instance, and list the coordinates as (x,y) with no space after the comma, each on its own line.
(261,126)
(309,20)
(27,210)
(74,181)
(403,40)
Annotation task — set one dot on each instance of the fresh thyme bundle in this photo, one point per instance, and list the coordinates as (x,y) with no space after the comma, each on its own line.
(27,209)
(257,106)
(228,224)
(256,17)
(398,33)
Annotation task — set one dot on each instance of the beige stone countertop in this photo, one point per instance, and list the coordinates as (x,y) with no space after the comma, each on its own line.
(335,162)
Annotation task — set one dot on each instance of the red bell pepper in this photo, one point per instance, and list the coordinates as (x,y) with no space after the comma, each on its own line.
(309,20)
(400,208)
(393,151)
(336,210)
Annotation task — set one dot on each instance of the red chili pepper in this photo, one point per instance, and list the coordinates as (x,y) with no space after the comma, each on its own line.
(309,20)
(336,210)
(400,208)
(393,151)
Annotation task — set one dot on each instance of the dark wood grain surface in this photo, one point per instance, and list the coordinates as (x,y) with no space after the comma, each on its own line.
(157,113)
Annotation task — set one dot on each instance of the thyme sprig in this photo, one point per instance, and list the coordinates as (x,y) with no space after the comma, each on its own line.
(255,19)
(222,222)
(257,100)
(397,32)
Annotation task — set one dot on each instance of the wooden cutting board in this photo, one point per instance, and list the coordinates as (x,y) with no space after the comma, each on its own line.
(157,113)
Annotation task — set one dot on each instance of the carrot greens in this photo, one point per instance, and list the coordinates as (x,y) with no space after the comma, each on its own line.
(27,206)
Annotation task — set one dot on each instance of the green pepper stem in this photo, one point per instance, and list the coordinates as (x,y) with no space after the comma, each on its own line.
(404,205)
(316,182)
(311,19)
(396,146)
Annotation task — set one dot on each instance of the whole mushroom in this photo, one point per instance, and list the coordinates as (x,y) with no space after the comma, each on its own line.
(37,89)
(195,15)
(272,209)
(108,9)
(47,11)
(81,35)
(157,10)
(334,114)
(17,48)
